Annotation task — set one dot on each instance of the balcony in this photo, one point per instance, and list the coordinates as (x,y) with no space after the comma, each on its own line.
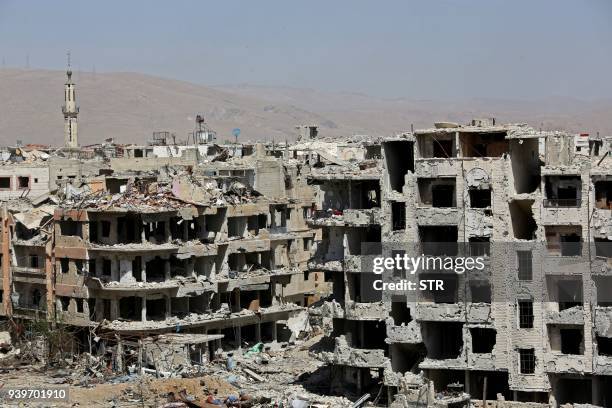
(573,315)
(482,361)
(348,217)
(561,202)
(28,270)
(458,363)
(440,312)
(555,215)
(565,265)
(277,230)
(567,363)
(29,275)
(365,311)
(436,167)
(325,264)
(30,310)
(437,215)
(409,333)
(479,313)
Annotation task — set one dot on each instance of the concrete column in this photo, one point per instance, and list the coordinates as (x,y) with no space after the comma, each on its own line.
(125,270)
(595,391)
(99,228)
(99,266)
(113,236)
(361,335)
(236,301)
(114,268)
(119,355)
(85,230)
(167,230)
(168,307)
(167,269)
(143,237)
(206,346)
(389,394)
(218,341)
(258,332)
(458,148)
(114,309)
(201,222)
(143,312)
(238,333)
(99,310)
(190,267)
(143,266)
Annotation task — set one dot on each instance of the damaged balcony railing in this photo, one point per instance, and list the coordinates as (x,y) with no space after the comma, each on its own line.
(277,230)
(562,202)
(40,307)
(325,213)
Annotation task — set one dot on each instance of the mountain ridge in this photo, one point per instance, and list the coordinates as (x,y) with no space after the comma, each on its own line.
(130,106)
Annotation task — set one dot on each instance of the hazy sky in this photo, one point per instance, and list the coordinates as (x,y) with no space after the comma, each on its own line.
(413,49)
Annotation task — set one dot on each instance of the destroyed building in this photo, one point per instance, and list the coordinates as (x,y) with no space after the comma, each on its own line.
(207,256)
(169,253)
(533,326)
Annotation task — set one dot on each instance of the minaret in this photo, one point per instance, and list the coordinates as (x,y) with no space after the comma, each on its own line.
(70,110)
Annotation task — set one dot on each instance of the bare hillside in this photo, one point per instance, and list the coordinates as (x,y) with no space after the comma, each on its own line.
(129,107)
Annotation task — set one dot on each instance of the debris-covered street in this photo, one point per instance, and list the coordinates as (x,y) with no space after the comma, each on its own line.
(266,375)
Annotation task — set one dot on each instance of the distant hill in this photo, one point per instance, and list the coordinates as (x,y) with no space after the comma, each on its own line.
(130,106)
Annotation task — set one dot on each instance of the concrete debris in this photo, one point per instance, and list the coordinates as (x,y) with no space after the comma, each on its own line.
(34,218)
(299,324)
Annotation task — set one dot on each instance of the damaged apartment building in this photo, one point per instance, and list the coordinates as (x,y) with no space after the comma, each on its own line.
(197,254)
(208,242)
(125,245)
(191,248)
(533,326)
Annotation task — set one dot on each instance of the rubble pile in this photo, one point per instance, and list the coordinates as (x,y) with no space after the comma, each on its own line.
(276,374)
(265,375)
(27,154)
(157,196)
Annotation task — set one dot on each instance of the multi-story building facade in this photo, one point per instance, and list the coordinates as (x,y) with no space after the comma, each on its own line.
(523,328)
(233,247)
(199,252)
(533,325)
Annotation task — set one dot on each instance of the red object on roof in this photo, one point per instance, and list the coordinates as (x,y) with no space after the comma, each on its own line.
(34,146)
